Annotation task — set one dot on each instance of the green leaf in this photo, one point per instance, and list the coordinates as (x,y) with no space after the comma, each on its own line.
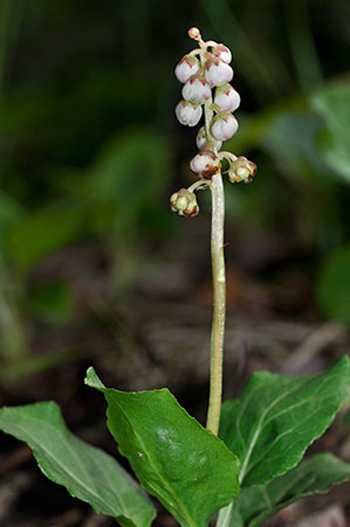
(127,181)
(333,287)
(290,139)
(87,472)
(276,418)
(52,302)
(315,475)
(40,233)
(187,468)
(10,212)
(332,103)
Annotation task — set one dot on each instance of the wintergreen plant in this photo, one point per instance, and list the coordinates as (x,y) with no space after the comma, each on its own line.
(205,69)
(247,463)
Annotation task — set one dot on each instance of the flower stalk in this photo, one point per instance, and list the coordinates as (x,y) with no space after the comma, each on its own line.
(201,71)
(219,302)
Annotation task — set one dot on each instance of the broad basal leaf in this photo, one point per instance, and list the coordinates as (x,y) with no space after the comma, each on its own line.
(315,475)
(276,418)
(187,468)
(87,472)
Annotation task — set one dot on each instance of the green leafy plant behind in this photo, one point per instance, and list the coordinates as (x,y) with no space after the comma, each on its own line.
(315,475)
(47,229)
(52,301)
(186,467)
(332,103)
(276,418)
(250,466)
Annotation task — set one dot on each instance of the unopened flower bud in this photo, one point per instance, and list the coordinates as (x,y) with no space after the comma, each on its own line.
(203,143)
(184,202)
(242,170)
(227,98)
(194,33)
(224,126)
(223,53)
(217,72)
(187,67)
(188,113)
(205,164)
(196,90)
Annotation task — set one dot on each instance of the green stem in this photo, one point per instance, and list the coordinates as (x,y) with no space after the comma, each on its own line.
(219,280)
(225,516)
(198,185)
(219,298)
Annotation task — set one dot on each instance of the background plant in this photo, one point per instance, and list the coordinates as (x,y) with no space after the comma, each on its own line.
(74,95)
(265,431)
(70,108)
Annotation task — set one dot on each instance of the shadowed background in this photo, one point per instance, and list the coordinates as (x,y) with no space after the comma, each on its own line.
(94,267)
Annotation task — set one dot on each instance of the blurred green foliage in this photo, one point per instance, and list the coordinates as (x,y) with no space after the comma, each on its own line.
(89,146)
(52,302)
(334,285)
(332,103)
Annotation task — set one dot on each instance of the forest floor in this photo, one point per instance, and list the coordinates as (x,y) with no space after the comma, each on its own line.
(158,337)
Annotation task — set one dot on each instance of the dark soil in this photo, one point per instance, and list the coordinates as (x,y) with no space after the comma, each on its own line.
(159,337)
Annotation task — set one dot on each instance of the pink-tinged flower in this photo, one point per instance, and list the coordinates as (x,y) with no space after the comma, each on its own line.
(217,72)
(205,164)
(194,33)
(224,126)
(223,53)
(184,202)
(242,170)
(227,98)
(196,90)
(188,113)
(203,143)
(187,67)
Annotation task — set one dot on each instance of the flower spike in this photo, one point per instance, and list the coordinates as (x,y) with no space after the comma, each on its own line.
(206,73)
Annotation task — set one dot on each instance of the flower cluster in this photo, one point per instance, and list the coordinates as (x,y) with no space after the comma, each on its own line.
(206,73)
(201,71)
